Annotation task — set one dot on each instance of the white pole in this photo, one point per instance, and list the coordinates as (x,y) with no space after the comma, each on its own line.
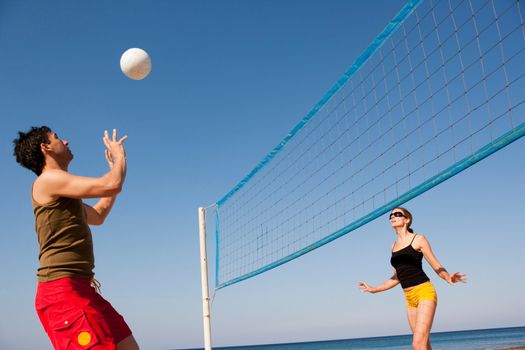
(204,280)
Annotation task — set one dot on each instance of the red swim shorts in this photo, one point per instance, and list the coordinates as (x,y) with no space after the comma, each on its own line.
(75,316)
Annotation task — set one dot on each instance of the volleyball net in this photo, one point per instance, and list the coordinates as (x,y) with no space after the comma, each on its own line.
(441,88)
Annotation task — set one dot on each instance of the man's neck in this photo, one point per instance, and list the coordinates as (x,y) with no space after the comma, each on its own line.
(52,164)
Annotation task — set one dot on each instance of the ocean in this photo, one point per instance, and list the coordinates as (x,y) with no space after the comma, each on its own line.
(481,339)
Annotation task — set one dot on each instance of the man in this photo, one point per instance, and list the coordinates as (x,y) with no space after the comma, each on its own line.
(73,313)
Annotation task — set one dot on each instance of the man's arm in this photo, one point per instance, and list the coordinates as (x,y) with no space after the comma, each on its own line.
(56,183)
(59,183)
(96,215)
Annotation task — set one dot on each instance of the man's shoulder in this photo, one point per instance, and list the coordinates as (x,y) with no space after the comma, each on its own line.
(45,185)
(51,175)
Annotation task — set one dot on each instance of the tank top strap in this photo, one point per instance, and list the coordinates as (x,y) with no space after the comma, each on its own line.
(415,234)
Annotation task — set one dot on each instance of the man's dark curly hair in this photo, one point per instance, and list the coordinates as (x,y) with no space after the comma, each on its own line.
(27,148)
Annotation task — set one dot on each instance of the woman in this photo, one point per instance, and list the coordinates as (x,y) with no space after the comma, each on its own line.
(421,298)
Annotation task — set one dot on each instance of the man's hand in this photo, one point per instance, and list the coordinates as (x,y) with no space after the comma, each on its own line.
(114,148)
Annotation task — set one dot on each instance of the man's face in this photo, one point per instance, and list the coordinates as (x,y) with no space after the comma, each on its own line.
(59,147)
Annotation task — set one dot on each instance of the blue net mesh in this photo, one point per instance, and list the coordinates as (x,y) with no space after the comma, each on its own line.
(441,88)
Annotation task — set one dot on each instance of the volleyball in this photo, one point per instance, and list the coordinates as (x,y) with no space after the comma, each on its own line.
(135,63)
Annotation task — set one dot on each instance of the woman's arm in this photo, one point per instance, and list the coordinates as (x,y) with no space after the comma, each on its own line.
(390,283)
(423,245)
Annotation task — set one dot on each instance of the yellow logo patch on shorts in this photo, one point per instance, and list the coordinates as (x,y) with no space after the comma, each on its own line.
(84,338)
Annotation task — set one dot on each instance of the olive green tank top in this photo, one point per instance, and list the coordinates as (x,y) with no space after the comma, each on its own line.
(64,237)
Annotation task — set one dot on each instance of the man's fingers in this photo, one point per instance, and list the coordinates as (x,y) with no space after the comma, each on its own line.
(108,156)
(105,138)
(108,142)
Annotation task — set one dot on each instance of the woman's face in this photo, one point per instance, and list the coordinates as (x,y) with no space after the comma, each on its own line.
(398,218)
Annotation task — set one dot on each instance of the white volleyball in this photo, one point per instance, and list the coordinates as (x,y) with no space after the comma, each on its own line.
(135,63)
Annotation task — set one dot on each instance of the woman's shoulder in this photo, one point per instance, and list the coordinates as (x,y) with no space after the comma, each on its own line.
(419,236)
(420,240)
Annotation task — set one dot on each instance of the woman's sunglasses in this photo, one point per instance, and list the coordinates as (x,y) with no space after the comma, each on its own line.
(397,214)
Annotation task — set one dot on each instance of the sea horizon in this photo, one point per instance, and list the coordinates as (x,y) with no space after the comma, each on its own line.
(465,339)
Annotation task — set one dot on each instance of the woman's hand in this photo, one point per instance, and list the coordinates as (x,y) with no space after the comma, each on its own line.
(457,277)
(365,287)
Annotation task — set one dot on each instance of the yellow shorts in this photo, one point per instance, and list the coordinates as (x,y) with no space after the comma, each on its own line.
(423,291)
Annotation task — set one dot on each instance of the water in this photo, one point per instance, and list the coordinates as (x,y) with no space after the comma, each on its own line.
(482,339)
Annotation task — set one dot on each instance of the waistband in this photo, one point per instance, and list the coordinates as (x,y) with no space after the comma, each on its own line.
(419,286)
(70,283)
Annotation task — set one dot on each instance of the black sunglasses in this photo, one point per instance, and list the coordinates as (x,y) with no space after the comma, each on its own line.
(397,214)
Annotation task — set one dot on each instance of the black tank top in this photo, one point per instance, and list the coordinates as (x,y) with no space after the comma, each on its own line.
(408,265)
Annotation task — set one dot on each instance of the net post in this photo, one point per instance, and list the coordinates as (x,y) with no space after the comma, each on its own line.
(206,315)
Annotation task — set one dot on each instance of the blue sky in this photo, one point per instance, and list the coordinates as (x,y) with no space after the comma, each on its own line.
(229,80)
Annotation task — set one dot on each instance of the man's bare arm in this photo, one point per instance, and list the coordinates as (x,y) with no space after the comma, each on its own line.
(96,215)
(59,183)
(56,183)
